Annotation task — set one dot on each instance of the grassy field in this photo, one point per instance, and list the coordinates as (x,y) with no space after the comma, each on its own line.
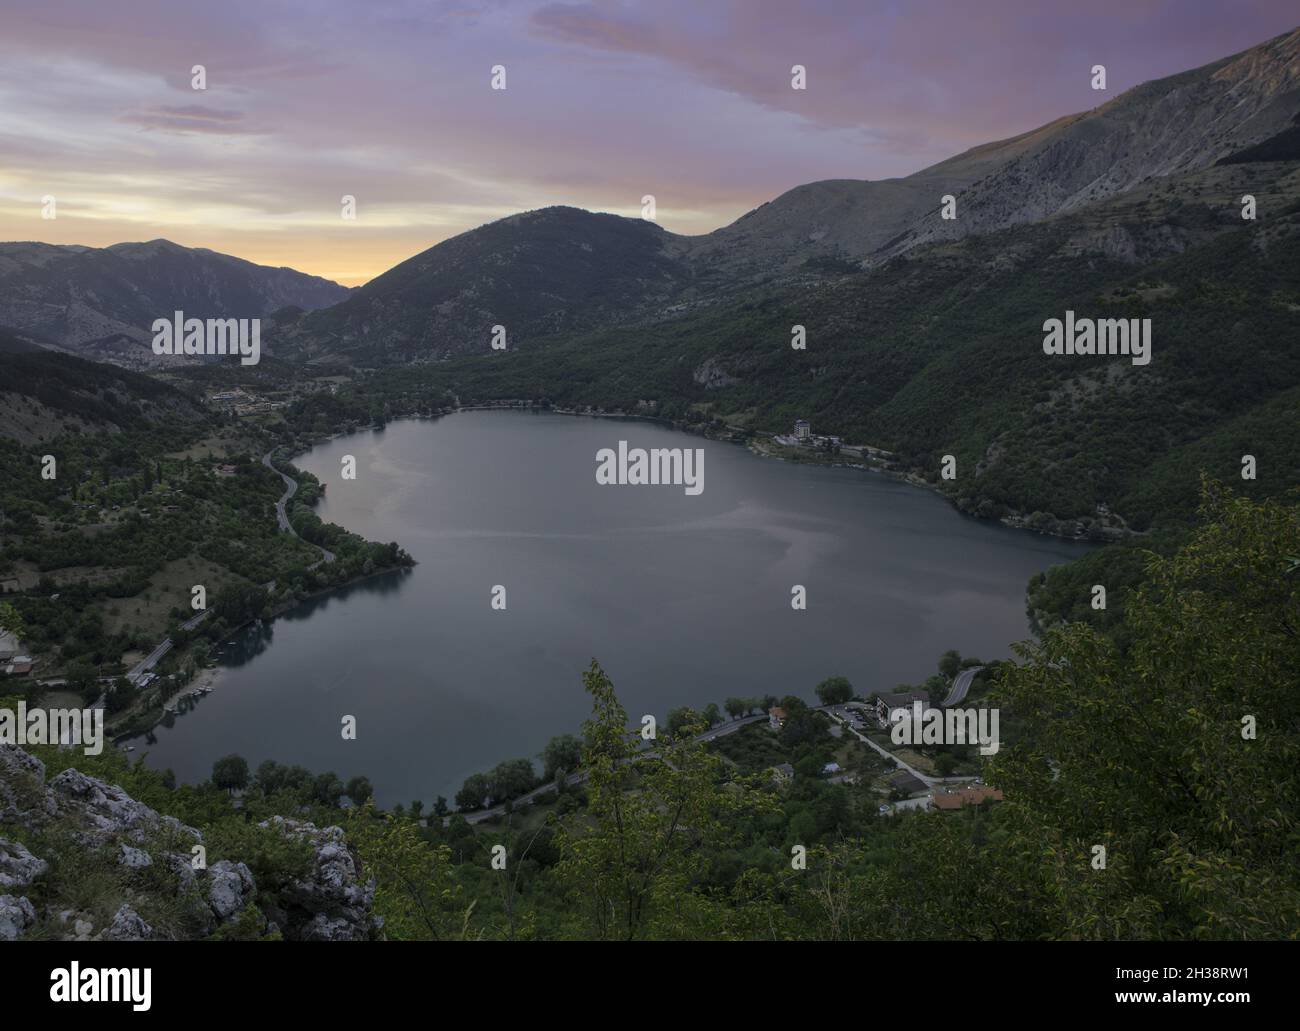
(169,588)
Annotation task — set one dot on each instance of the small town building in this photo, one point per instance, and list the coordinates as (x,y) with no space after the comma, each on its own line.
(802,429)
(888,704)
(776,717)
(905,783)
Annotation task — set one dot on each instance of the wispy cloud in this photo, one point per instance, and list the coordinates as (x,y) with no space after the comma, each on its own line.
(390,101)
(186,118)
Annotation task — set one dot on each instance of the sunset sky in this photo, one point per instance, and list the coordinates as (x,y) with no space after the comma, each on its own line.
(689,100)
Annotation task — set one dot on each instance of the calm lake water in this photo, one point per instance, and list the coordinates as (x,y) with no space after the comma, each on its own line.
(684,600)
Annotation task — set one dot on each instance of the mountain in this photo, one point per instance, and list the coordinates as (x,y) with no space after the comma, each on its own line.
(1173,125)
(540,273)
(939,351)
(548,273)
(100,302)
(45,393)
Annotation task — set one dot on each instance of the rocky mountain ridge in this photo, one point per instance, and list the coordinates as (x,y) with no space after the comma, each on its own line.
(100,303)
(557,271)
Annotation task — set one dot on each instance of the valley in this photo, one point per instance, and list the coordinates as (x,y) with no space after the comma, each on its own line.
(338,570)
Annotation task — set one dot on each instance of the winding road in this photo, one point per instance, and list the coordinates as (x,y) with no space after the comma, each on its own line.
(960,686)
(290,489)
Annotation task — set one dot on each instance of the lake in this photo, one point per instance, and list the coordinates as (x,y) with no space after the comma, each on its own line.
(683,599)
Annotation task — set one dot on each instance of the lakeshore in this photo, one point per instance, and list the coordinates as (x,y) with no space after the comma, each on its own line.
(1109,526)
(686,598)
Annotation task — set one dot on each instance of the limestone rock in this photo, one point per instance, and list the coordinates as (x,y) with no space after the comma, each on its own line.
(332,903)
(135,858)
(23,795)
(16,915)
(128,926)
(18,867)
(231,889)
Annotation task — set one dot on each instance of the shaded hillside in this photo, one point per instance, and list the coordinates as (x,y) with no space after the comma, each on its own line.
(46,393)
(101,302)
(940,352)
(561,270)
(544,272)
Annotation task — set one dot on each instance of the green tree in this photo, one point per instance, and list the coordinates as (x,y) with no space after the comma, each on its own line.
(1179,756)
(230,773)
(359,790)
(239,602)
(415,890)
(834,691)
(10,620)
(474,792)
(634,862)
(562,754)
(510,779)
(680,718)
(327,789)
(84,679)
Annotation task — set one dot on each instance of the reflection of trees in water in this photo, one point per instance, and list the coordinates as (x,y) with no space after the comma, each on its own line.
(247,645)
(383,584)
(250,642)
(254,639)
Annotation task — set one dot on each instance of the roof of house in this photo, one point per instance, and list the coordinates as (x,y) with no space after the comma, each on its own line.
(778,712)
(965,796)
(902,699)
(905,782)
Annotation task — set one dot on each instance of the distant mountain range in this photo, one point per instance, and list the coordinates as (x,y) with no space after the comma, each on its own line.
(924,334)
(100,302)
(923,331)
(559,270)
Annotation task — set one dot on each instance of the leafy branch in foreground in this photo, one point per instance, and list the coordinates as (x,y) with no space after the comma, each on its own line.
(654,818)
